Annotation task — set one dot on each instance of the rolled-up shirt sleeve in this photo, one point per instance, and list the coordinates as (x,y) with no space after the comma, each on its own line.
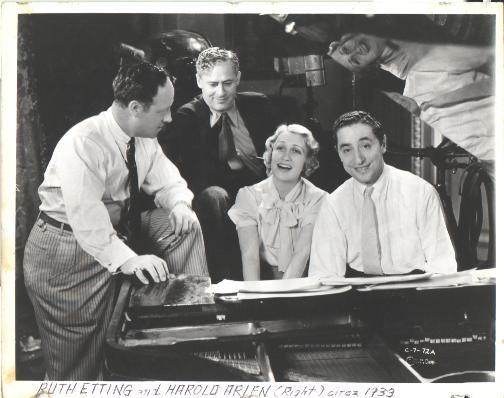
(163,180)
(82,187)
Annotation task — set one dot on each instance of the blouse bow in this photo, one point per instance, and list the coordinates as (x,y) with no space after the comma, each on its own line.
(281,216)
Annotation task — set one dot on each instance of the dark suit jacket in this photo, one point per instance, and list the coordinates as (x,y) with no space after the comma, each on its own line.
(193,146)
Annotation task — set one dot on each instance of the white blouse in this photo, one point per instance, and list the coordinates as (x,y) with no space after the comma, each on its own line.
(279,222)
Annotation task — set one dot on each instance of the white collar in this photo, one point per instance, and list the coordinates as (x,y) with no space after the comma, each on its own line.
(378,186)
(117,132)
(232,113)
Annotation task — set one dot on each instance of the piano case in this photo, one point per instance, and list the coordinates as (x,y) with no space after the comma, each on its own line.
(177,330)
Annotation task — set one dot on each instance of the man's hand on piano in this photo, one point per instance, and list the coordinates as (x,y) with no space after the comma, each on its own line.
(156,267)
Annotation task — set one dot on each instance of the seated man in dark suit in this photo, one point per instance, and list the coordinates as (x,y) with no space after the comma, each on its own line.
(217,141)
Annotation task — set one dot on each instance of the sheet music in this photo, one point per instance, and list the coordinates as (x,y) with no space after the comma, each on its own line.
(266,286)
(321,291)
(373,280)
(456,279)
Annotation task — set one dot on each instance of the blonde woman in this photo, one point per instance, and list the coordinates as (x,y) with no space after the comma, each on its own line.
(274,218)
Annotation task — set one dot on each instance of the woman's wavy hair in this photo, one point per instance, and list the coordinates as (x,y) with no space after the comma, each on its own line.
(311,143)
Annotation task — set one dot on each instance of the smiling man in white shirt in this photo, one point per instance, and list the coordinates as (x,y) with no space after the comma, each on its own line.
(382,220)
(88,209)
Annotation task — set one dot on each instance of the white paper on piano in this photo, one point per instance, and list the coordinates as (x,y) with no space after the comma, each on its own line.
(226,286)
(280,285)
(485,275)
(455,279)
(321,291)
(266,286)
(373,280)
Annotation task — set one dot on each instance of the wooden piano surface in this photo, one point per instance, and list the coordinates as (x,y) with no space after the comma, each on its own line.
(379,336)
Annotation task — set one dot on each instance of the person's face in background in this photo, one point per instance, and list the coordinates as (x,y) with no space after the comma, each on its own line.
(288,157)
(218,86)
(356,51)
(150,120)
(361,152)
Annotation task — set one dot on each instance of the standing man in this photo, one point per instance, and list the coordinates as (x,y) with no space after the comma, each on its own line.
(220,139)
(382,220)
(90,207)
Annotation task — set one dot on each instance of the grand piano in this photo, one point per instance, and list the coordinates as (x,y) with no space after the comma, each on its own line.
(177,330)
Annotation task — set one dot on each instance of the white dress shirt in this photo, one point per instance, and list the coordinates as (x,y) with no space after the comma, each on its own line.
(411,227)
(86,184)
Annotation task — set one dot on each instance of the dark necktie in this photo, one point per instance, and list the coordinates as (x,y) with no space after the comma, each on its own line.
(370,246)
(133,217)
(228,152)
(227,149)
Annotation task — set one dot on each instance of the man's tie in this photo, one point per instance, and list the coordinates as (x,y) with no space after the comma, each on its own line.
(133,217)
(370,245)
(227,149)
(229,154)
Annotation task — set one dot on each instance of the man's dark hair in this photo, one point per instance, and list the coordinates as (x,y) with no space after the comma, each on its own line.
(354,117)
(138,82)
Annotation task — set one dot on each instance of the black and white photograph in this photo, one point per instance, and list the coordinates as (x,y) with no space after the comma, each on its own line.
(251,200)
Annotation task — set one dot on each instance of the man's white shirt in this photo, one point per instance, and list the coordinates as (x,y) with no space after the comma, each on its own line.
(86,184)
(411,227)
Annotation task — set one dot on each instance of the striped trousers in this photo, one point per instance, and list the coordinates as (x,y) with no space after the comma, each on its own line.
(73,295)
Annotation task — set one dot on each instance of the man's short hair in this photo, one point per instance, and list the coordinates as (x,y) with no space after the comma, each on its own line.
(354,117)
(210,57)
(138,82)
